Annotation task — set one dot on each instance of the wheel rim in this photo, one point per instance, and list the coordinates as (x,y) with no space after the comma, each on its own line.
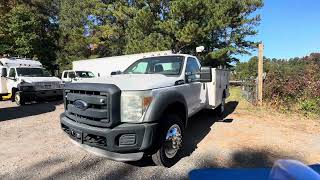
(17,98)
(173,141)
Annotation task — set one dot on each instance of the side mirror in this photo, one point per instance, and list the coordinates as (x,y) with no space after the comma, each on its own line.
(115,72)
(188,77)
(205,74)
(4,72)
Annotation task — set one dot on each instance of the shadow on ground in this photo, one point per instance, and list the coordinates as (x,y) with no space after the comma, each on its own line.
(101,168)
(200,124)
(10,113)
(258,158)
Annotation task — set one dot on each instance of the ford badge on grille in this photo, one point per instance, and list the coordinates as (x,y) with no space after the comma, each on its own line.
(80,104)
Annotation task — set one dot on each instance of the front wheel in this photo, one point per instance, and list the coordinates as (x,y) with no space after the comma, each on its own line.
(170,149)
(19,99)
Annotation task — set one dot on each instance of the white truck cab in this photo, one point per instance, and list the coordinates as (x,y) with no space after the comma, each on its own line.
(71,75)
(143,110)
(26,80)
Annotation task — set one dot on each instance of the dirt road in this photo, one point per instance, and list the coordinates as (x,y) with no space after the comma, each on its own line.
(32,146)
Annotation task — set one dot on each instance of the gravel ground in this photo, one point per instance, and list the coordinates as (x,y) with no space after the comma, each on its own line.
(33,146)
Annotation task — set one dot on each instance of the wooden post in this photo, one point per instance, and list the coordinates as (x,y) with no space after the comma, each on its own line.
(260,74)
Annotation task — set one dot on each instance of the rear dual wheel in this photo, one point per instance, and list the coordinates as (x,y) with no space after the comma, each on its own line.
(170,149)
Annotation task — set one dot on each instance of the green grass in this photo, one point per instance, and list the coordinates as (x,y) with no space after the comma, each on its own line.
(236,95)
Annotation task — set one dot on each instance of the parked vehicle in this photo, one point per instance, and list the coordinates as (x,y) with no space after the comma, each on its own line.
(145,109)
(102,67)
(71,75)
(26,80)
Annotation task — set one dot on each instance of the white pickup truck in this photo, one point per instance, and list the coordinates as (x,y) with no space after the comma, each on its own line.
(26,80)
(72,75)
(144,110)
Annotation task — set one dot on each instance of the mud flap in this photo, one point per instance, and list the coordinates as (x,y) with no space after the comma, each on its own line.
(5,98)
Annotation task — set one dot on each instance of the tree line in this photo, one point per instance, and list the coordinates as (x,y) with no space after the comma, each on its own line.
(61,31)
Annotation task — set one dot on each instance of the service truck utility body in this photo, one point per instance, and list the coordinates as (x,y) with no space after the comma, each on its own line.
(26,80)
(144,110)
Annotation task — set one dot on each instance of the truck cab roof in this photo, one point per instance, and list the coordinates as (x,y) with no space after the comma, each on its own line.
(19,62)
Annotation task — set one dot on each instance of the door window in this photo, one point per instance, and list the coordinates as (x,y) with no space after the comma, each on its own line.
(192,68)
(65,74)
(12,73)
(72,75)
(3,72)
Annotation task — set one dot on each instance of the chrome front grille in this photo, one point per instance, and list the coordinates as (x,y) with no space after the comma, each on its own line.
(47,85)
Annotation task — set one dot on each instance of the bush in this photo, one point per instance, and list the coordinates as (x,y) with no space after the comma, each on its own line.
(290,84)
(310,105)
(294,83)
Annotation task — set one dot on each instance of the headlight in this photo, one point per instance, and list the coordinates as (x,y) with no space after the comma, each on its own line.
(134,105)
(25,86)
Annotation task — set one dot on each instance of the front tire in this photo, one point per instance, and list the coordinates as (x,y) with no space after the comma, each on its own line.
(171,141)
(19,98)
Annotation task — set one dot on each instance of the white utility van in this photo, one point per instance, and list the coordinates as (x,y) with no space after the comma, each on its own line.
(26,80)
(71,75)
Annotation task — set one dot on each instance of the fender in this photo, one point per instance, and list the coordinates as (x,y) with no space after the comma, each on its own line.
(161,102)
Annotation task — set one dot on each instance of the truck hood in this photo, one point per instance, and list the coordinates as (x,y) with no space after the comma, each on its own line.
(132,82)
(39,79)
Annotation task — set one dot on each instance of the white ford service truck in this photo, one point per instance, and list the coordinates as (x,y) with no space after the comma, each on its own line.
(26,80)
(144,110)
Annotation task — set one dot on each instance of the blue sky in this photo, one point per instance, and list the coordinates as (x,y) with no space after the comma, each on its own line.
(289,28)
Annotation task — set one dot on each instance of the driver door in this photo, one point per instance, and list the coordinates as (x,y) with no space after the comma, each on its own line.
(12,81)
(195,88)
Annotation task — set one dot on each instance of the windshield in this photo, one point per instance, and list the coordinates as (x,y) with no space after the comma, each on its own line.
(167,65)
(33,72)
(84,74)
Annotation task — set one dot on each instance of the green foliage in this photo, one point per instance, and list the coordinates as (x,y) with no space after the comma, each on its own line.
(310,105)
(72,24)
(246,70)
(29,29)
(66,30)
(221,26)
(289,84)
(125,27)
